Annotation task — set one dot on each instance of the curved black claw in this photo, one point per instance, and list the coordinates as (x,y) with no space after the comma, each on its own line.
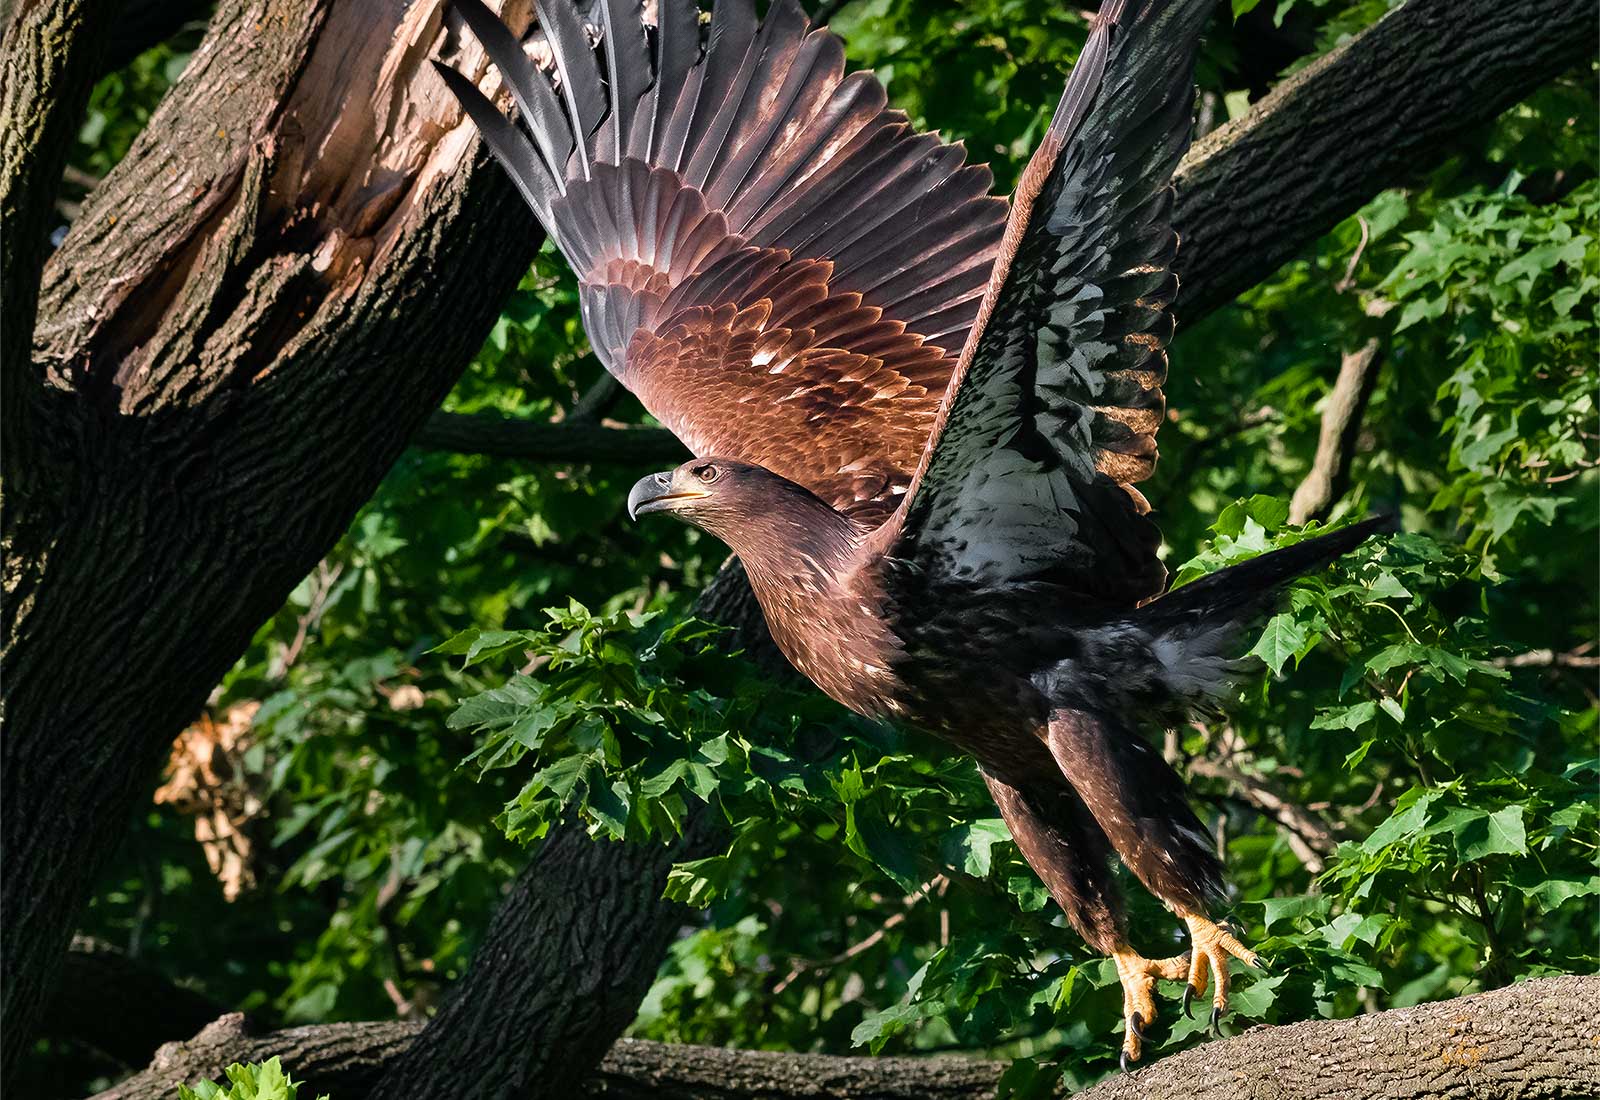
(1188,999)
(1259,963)
(1136,1026)
(1215,1026)
(1124,1063)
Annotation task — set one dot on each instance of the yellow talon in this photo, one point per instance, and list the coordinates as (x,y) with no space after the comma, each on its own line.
(1138,976)
(1212,947)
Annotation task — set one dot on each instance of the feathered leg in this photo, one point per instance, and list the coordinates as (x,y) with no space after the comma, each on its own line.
(1062,842)
(1139,803)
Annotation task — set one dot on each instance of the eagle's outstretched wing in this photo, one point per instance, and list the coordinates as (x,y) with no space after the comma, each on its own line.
(780,267)
(1052,415)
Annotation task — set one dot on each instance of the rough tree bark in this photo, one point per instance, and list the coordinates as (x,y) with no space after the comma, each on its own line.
(568,957)
(1376,112)
(252,314)
(1534,1041)
(119,1006)
(49,58)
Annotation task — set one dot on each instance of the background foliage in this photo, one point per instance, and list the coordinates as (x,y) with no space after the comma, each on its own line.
(1423,719)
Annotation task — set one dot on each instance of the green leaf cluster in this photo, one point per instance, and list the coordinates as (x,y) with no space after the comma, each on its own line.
(263,1081)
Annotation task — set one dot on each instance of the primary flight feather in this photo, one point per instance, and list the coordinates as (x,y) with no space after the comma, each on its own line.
(918,411)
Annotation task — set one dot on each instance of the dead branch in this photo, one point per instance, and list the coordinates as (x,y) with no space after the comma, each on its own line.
(1341,424)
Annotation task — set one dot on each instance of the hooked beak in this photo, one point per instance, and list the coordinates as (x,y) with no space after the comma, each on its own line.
(655,494)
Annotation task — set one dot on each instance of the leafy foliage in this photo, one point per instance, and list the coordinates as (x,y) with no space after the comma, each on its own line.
(264,1081)
(1429,753)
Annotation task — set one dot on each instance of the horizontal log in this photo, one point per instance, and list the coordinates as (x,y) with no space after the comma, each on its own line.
(1534,1040)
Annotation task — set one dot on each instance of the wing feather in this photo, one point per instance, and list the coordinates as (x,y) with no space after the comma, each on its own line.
(1027,479)
(760,242)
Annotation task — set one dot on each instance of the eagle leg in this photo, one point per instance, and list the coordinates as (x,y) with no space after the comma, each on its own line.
(1138,975)
(1213,945)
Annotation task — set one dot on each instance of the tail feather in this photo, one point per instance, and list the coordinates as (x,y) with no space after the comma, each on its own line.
(1183,652)
(1245,590)
(1198,629)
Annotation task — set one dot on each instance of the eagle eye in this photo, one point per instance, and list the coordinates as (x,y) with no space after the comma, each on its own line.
(707,473)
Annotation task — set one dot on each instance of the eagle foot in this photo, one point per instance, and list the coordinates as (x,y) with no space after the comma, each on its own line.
(1212,945)
(1138,975)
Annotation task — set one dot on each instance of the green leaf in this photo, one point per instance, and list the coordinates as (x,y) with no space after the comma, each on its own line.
(1274,910)
(1282,639)
(1499,833)
(967,847)
(1399,825)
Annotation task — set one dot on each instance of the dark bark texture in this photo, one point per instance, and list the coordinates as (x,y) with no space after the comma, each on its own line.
(119,1006)
(49,58)
(1534,1041)
(567,959)
(535,441)
(251,316)
(1374,113)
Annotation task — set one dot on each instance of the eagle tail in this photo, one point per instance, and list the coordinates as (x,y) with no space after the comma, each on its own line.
(1197,629)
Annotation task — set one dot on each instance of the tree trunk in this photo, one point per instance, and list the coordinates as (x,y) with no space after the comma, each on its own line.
(568,957)
(253,313)
(49,59)
(1533,1040)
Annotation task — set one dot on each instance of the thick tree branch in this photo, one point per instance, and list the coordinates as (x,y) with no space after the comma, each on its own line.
(568,957)
(1532,1040)
(120,1006)
(1373,113)
(254,311)
(572,440)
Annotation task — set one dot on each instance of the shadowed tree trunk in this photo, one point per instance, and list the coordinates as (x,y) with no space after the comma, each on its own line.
(272,292)
(254,311)
(1532,1040)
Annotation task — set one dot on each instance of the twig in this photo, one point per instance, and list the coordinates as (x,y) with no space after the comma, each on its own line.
(1309,836)
(1349,279)
(936,884)
(1548,658)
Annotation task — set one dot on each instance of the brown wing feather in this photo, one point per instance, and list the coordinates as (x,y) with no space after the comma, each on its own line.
(763,202)
(772,375)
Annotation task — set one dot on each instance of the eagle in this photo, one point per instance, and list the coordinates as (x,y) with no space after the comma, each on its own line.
(918,411)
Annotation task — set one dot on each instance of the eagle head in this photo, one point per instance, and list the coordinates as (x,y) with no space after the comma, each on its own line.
(735,501)
(702,491)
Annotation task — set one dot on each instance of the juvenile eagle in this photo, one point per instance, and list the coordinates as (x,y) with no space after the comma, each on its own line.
(919,411)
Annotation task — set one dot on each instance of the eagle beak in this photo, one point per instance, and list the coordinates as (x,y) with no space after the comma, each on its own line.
(655,494)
